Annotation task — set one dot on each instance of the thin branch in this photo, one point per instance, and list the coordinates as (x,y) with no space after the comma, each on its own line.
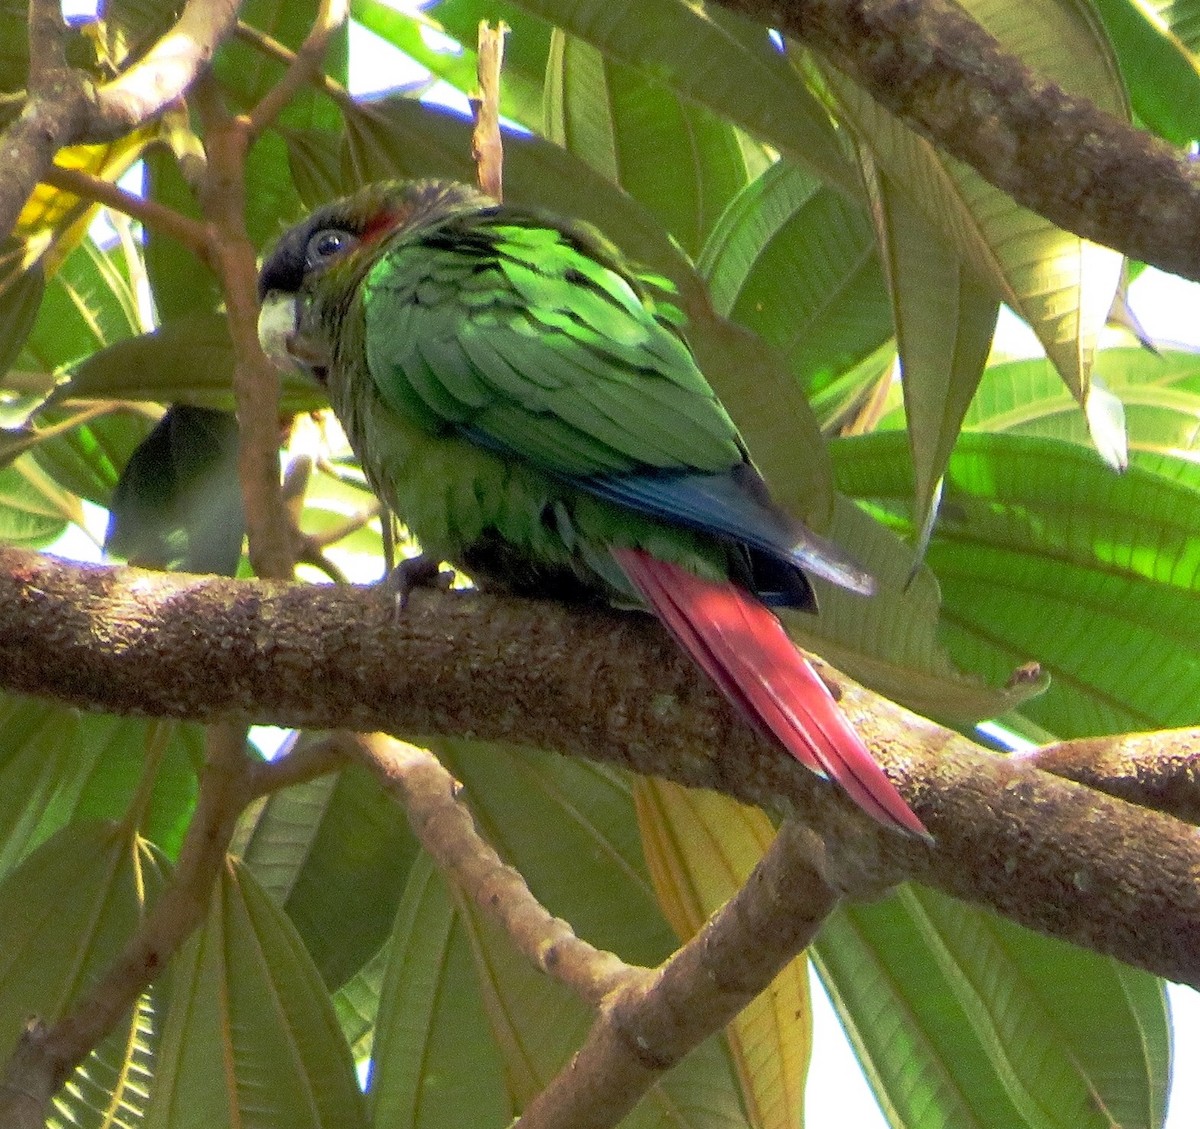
(487,145)
(273,49)
(307,760)
(652,1022)
(47,1055)
(304,65)
(47,34)
(255,379)
(934,67)
(1043,851)
(444,827)
(152,215)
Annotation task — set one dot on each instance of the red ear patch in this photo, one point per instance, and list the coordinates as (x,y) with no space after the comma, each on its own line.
(383,222)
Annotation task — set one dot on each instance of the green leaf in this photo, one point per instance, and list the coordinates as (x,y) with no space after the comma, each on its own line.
(65,914)
(682,162)
(945,318)
(250,1036)
(1044,554)
(186,360)
(890,641)
(796,262)
(182,286)
(1160,71)
(1061,285)
(712,58)
(335,853)
(314,158)
(433,1061)
(19,303)
(86,459)
(1182,17)
(468,1030)
(357,1003)
(89,303)
(526,48)
(962,1018)
(178,502)
(58,766)
(1160,391)
(32,511)
(537,809)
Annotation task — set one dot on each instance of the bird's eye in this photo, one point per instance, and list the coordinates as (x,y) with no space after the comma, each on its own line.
(326,245)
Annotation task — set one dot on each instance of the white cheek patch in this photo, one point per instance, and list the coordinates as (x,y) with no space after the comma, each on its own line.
(277,323)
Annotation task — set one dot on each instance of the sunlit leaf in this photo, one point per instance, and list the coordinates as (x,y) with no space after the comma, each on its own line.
(1045,554)
(683,162)
(944,318)
(711,57)
(1061,285)
(961,1018)
(1160,70)
(796,262)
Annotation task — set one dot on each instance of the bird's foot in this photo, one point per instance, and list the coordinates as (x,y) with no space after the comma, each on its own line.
(421,571)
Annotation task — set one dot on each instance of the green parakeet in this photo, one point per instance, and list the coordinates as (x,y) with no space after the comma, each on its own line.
(527,403)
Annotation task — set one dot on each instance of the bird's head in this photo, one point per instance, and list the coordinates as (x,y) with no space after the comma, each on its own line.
(307,281)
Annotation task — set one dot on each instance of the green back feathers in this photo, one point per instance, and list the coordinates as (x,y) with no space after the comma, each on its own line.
(536,339)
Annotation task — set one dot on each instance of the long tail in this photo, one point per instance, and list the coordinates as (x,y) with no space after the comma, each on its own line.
(744,649)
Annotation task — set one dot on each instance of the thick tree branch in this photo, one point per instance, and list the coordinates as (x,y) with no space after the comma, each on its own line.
(1051,854)
(934,67)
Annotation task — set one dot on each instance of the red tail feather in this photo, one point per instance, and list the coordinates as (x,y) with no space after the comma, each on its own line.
(744,649)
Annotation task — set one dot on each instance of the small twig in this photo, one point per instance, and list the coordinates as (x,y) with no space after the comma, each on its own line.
(273,49)
(487,146)
(308,760)
(304,65)
(45,1057)
(650,1023)
(255,379)
(152,215)
(446,830)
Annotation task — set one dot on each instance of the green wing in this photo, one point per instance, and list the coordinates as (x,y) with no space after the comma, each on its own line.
(512,332)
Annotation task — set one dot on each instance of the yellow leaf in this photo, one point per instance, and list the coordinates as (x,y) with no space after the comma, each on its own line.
(700,848)
(53,222)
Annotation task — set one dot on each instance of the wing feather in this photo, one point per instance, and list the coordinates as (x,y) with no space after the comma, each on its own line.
(518,335)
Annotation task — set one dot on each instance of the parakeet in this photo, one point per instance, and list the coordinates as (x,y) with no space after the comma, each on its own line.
(527,403)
